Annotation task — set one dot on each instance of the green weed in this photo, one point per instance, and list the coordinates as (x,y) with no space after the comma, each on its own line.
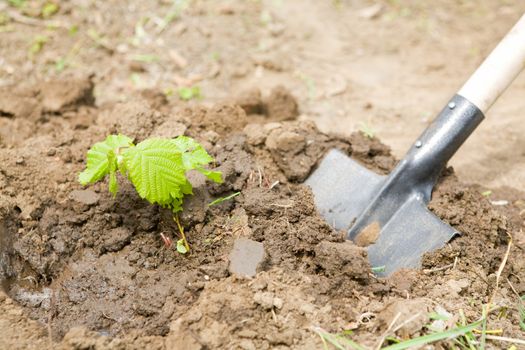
(188,93)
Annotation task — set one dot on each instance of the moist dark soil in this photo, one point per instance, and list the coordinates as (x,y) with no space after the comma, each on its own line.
(94,273)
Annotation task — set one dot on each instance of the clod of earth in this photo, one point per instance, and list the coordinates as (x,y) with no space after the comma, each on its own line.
(87,197)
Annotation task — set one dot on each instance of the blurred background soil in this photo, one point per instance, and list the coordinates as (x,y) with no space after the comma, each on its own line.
(385,66)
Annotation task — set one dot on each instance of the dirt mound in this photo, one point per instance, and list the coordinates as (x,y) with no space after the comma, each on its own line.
(74,257)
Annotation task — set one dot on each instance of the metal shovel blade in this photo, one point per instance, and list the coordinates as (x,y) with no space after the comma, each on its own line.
(343,189)
(388,214)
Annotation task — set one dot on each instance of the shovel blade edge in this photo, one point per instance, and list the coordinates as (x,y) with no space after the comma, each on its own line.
(411,232)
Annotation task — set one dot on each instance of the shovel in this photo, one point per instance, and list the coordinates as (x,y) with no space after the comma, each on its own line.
(389,214)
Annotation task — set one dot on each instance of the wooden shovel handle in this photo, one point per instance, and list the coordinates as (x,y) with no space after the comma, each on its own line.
(498,70)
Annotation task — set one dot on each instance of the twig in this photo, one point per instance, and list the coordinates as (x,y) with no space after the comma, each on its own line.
(506,339)
(407,321)
(17,17)
(514,290)
(50,319)
(437,269)
(486,309)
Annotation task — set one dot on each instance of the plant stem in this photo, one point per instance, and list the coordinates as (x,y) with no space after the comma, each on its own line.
(181,230)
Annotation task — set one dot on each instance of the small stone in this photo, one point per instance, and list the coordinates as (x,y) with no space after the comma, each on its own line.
(286,141)
(278,303)
(246,256)
(258,285)
(20,160)
(459,285)
(268,300)
(133,257)
(51,152)
(271,126)
(247,345)
(370,12)
(265,299)
(281,338)
(247,333)
(211,136)
(87,197)
(307,309)
(194,317)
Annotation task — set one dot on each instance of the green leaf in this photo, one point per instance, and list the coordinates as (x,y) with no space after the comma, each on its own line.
(155,168)
(215,176)
(98,158)
(181,247)
(194,155)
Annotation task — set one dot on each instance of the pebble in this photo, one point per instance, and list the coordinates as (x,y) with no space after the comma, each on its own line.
(247,333)
(268,300)
(247,345)
(87,197)
(246,256)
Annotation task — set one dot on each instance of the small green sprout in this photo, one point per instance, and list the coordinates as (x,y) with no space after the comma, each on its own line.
(60,64)
(366,130)
(168,92)
(188,93)
(38,44)
(17,3)
(146,58)
(49,9)
(224,199)
(73,30)
(156,167)
(135,79)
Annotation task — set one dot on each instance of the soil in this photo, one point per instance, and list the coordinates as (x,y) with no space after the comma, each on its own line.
(83,270)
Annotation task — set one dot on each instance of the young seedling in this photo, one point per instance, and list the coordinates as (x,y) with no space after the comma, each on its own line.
(156,167)
(366,130)
(188,93)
